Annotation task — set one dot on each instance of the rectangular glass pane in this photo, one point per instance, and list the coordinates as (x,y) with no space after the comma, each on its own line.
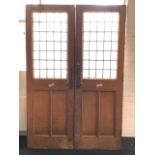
(50,45)
(100,45)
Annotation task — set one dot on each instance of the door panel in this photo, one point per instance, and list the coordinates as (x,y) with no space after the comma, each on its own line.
(59,113)
(41,120)
(106,113)
(99,76)
(89,113)
(50,46)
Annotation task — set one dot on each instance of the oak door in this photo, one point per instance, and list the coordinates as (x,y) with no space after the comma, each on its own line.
(99,78)
(75,76)
(50,63)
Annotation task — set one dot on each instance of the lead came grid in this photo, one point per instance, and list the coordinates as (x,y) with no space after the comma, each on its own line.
(100,45)
(50,45)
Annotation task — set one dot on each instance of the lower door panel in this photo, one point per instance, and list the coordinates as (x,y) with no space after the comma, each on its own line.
(96,119)
(51,120)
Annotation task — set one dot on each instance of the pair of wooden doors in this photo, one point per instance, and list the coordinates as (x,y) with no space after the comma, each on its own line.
(74,76)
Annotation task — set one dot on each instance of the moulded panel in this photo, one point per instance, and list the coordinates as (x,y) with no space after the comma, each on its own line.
(59,112)
(89,113)
(41,112)
(106,113)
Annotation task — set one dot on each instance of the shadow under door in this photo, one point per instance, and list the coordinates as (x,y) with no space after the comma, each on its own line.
(74,76)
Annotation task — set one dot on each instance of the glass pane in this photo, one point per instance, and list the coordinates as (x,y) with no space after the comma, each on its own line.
(42,26)
(64,74)
(99,55)
(85,73)
(50,73)
(64,27)
(42,17)
(107,46)
(35,27)
(86,45)
(57,46)
(100,36)
(93,46)
(106,74)
(115,27)
(64,36)
(42,36)
(57,74)
(49,17)
(36,73)
(99,74)
(57,27)
(86,17)
(35,46)
(93,27)
(86,27)
(57,17)
(42,45)
(115,17)
(57,36)
(113,64)
(36,64)
(64,46)
(86,65)
(115,46)
(35,36)
(92,55)
(64,64)
(99,65)
(64,17)
(113,55)
(113,74)
(107,36)
(100,17)
(36,17)
(86,36)
(100,44)
(106,64)
(50,45)
(108,17)
(108,27)
(35,55)
(42,73)
(100,27)
(50,36)
(93,36)
(50,55)
(107,55)
(86,56)
(43,55)
(92,64)
(57,55)
(57,64)
(50,64)
(64,55)
(50,27)
(42,64)
(114,36)
(92,74)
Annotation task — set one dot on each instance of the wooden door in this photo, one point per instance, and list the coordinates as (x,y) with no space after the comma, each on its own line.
(75,76)
(50,87)
(99,76)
